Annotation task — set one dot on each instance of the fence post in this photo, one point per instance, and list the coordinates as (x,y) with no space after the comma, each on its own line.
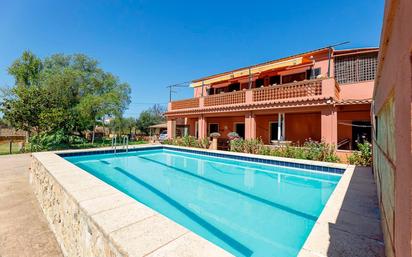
(11,143)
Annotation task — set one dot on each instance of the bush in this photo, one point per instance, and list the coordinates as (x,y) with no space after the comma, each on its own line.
(188,141)
(54,141)
(233,135)
(363,157)
(237,145)
(311,150)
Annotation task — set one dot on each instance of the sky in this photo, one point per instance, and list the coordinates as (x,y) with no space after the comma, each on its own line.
(152,44)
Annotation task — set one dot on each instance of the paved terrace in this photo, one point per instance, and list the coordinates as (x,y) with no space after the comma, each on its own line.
(355,229)
(24,230)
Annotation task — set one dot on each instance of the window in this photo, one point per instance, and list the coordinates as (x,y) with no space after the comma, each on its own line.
(274,80)
(361,132)
(312,73)
(213,127)
(260,82)
(234,86)
(355,68)
(240,129)
(273,131)
(210,91)
(293,77)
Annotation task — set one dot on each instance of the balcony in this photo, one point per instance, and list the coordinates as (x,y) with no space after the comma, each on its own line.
(296,91)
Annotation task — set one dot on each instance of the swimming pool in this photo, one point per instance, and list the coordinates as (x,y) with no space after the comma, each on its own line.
(247,208)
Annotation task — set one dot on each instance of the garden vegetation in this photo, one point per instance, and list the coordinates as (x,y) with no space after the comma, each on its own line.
(58,98)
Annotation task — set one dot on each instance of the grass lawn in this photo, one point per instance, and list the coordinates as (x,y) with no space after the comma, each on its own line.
(105,144)
(5,148)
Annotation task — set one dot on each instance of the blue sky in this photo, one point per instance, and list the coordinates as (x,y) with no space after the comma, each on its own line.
(152,44)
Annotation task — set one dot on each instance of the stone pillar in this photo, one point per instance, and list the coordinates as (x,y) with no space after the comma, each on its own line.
(329,125)
(250,126)
(202,127)
(171,128)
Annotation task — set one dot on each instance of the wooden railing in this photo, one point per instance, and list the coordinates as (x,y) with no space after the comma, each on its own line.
(291,90)
(185,104)
(301,89)
(226,98)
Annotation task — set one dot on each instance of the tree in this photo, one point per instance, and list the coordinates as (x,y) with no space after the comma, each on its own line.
(149,117)
(23,103)
(65,93)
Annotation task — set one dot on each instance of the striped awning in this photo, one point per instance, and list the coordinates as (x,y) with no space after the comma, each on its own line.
(253,70)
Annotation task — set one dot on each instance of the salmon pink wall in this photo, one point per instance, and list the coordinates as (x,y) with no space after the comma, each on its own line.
(362,90)
(191,122)
(345,131)
(198,91)
(226,124)
(262,126)
(392,108)
(302,126)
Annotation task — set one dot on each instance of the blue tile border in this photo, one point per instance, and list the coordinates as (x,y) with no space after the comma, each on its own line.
(214,154)
(91,152)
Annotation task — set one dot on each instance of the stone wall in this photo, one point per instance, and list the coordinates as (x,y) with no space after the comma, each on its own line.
(76,233)
(92,218)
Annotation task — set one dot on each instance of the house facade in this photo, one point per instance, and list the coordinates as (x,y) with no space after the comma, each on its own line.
(324,94)
(392,133)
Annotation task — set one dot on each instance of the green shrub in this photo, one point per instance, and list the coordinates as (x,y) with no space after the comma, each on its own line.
(237,145)
(311,150)
(320,151)
(233,135)
(188,141)
(54,141)
(363,157)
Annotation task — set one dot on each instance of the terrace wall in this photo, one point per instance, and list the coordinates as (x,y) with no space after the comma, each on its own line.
(226,124)
(302,126)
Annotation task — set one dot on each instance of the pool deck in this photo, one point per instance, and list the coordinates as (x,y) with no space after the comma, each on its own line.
(24,230)
(349,226)
(350,223)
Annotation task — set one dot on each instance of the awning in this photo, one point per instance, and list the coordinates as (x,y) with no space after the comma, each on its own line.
(161,125)
(253,70)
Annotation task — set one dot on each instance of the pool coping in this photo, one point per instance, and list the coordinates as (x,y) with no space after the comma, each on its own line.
(107,218)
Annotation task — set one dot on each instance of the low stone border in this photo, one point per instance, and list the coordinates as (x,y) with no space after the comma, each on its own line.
(92,218)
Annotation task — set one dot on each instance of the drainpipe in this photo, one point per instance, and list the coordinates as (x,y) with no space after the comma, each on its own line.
(203,85)
(329,56)
(312,70)
(250,79)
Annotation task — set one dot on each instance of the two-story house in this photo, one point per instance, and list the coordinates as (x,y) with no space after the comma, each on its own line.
(323,94)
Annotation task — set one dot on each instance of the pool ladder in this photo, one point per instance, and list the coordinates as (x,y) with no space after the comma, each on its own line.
(125,143)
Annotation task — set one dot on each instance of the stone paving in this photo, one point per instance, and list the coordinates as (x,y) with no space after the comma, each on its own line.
(24,230)
(351,226)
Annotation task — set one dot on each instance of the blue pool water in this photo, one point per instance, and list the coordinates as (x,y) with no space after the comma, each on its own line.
(247,208)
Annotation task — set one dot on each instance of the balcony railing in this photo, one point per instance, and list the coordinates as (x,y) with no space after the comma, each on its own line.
(302,89)
(291,90)
(226,98)
(185,104)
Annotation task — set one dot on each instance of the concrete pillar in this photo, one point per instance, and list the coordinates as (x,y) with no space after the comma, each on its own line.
(202,127)
(281,126)
(171,128)
(329,126)
(250,126)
